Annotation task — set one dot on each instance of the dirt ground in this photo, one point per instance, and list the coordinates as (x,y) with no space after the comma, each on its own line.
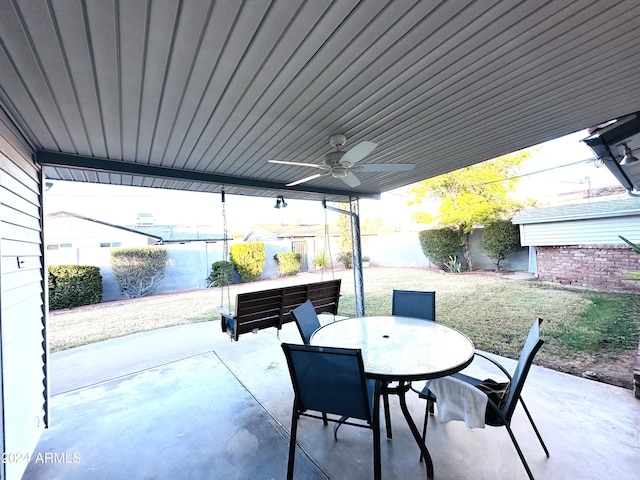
(612,369)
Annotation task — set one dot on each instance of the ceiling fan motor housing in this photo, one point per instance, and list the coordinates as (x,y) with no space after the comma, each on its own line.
(332,159)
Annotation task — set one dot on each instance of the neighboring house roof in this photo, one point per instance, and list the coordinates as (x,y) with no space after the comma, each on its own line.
(159,233)
(286,231)
(176,234)
(579,211)
(89,219)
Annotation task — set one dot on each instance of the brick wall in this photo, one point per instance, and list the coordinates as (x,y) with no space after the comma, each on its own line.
(596,267)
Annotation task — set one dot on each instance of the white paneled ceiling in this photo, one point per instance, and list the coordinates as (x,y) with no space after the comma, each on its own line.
(197,94)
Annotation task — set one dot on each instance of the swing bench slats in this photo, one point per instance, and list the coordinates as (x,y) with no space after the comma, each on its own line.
(272,308)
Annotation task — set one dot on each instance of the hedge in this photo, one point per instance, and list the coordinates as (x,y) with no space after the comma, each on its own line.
(289,263)
(439,244)
(500,239)
(74,285)
(221,274)
(249,259)
(138,270)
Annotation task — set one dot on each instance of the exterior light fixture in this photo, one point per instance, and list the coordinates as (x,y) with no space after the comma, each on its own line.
(280,203)
(628,158)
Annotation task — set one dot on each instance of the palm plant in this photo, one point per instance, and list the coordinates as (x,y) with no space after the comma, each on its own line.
(635,276)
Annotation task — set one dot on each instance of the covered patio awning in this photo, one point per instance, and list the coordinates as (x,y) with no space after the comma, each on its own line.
(198,95)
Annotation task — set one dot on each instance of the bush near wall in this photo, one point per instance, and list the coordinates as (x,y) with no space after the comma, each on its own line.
(73,286)
(221,274)
(288,263)
(138,270)
(500,239)
(439,244)
(249,259)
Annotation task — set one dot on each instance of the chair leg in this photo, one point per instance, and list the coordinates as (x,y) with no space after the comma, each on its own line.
(324,419)
(337,425)
(428,410)
(520,454)
(377,462)
(292,443)
(387,415)
(535,429)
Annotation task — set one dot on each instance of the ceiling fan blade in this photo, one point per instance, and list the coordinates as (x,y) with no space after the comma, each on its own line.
(299,164)
(350,179)
(358,152)
(307,179)
(386,167)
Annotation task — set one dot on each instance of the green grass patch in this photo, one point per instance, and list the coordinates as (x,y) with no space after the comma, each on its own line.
(610,322)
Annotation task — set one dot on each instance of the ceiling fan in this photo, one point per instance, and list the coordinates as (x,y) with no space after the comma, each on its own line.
(342,165)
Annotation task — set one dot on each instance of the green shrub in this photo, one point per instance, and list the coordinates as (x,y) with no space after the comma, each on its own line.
(249,259)
(320,259)
(74,285)
(346,258)
(288,263)
(138,270)
(453,265)
(500,239)
(439,244)
(221,274)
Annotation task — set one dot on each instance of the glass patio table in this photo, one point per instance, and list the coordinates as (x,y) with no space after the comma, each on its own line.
(401,349)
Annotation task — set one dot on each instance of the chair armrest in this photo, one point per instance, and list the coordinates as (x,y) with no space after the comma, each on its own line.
(224,312)
(491,360)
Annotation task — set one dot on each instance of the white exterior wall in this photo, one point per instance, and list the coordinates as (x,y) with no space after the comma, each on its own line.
(23,391)
(595,231)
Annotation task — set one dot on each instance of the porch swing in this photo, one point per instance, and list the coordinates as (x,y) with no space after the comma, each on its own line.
(255,311)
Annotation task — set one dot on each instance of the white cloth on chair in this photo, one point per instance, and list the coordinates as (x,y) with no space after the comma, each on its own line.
(458,400)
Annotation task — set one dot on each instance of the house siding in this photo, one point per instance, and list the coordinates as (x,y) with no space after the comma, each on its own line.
(601,231)
(24,392)
(596,267)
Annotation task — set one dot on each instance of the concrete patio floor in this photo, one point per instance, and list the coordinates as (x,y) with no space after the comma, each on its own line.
(186,403)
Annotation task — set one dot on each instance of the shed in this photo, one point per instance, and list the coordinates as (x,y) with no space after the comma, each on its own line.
(580,245)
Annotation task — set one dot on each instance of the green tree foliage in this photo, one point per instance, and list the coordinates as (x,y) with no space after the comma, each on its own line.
(440,244)
(74,285)
(500,239)
(475,195)
(249,259)
(221,274)
(288,263)
(138,270)
(344,229)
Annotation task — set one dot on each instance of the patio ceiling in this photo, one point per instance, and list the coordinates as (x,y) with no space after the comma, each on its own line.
(199,94)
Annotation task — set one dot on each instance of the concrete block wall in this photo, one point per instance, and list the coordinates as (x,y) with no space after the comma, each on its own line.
(596,267)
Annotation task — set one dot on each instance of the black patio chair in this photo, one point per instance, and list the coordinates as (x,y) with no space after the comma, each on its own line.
(407,303)
(500,412)
(332,380)
(307,322)
(410,303)
(306,319)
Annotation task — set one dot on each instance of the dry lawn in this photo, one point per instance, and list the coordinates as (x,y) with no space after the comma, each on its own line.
(494,312)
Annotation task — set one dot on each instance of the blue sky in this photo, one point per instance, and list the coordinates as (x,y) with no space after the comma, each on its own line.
(556,167)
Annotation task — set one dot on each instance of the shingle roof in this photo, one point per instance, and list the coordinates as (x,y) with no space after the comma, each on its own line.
(579,211)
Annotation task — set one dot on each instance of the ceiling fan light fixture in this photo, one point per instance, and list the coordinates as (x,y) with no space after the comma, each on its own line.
(628,158)
(339,172)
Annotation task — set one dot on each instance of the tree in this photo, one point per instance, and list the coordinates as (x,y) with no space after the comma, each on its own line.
(500,239)
(344,228)
(138,270)
(471,196)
